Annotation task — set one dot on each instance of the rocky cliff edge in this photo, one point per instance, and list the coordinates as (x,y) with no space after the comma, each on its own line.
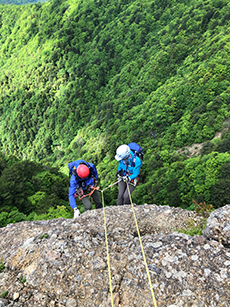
(63,262)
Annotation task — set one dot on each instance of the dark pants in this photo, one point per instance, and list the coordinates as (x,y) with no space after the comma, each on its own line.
(123,194)
(96,198)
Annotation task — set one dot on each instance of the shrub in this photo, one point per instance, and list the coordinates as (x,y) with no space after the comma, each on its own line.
(22,279)
(3,294)
(2,267)
(191,229)
(203,209)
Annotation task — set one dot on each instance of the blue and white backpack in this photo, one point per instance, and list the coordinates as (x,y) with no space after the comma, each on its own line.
(137,150)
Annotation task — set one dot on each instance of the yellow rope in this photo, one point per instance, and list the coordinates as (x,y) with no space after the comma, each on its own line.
(143,253)
(107,248)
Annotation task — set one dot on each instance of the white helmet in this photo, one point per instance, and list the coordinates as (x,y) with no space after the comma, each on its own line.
(123,152)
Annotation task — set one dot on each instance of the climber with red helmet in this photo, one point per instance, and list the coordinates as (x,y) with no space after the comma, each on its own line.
(83,178)
(128,171)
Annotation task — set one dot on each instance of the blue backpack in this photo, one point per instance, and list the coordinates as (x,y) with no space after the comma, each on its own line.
(137,150)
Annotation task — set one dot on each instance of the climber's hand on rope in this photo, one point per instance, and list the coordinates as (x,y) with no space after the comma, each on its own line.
(126,178)
(119,174)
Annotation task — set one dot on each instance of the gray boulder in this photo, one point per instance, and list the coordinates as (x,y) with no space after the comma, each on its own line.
(218,225)
(63,262)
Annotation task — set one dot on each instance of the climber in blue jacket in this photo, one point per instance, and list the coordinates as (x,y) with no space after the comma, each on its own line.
(128,171)
(83,180)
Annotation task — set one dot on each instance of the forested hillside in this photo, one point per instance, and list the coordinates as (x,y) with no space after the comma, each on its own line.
(19,2)
(78,79)
(30,191)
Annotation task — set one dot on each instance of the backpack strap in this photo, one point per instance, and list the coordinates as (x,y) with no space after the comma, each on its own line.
(132,164)
(73,171)
(134,159)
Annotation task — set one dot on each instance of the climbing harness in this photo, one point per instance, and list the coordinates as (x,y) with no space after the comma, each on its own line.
(134,181)
(88,195)
(107,246)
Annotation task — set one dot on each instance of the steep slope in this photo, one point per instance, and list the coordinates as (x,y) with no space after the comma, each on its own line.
(31,191)
(79,78)
(19,2)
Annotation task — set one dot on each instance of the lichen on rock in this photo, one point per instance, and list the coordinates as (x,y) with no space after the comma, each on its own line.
(68,266)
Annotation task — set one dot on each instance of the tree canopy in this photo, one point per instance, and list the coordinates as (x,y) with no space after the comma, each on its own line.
(78,79)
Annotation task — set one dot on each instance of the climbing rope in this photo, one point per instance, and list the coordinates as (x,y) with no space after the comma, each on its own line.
(106,240)
(111,185)
(89,194)
(96,188)
(143,253)
(107,247)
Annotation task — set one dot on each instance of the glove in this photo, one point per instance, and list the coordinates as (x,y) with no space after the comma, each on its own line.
(76,213)
(126,178)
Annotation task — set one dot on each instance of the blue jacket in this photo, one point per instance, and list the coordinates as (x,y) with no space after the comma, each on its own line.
(75,182)
(133,167)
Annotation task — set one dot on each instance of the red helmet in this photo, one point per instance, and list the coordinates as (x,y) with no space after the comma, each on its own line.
(82,171)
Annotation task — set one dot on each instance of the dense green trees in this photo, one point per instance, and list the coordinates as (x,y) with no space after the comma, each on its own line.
(30,191)
(79,79)
(19,2)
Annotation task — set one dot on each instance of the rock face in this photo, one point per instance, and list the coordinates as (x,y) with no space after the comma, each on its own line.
(63,262)
(218,225)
